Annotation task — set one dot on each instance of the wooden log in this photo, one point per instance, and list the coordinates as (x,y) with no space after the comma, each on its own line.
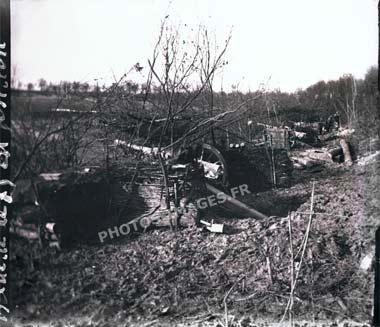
(346,152)
(319,155)
(307,162)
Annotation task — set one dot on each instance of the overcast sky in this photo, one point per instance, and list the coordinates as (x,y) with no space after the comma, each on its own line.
(291,43)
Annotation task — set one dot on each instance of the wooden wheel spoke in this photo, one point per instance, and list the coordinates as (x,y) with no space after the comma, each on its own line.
(209,157)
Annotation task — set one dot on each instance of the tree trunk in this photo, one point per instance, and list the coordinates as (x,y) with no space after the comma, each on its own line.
(346,152)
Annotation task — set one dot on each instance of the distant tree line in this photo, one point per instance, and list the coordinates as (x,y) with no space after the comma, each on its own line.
(75,87)
(355,100)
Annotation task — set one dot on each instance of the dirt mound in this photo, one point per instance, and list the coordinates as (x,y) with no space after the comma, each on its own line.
(79,202)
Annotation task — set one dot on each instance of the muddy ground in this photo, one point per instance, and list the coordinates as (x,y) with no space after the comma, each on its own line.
(193,277)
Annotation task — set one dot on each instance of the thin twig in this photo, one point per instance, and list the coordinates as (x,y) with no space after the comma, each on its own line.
(269,270)
(225,300)
(334,311)
(303,253)
(321,213)
(312,285)
(212,120)
(291,269)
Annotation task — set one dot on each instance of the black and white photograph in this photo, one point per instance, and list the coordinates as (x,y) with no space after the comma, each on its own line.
(189,163)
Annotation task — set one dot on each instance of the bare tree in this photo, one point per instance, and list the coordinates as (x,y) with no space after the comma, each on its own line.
(183,67)
(30,86)
(346,100)
(208,63)
(42,84)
